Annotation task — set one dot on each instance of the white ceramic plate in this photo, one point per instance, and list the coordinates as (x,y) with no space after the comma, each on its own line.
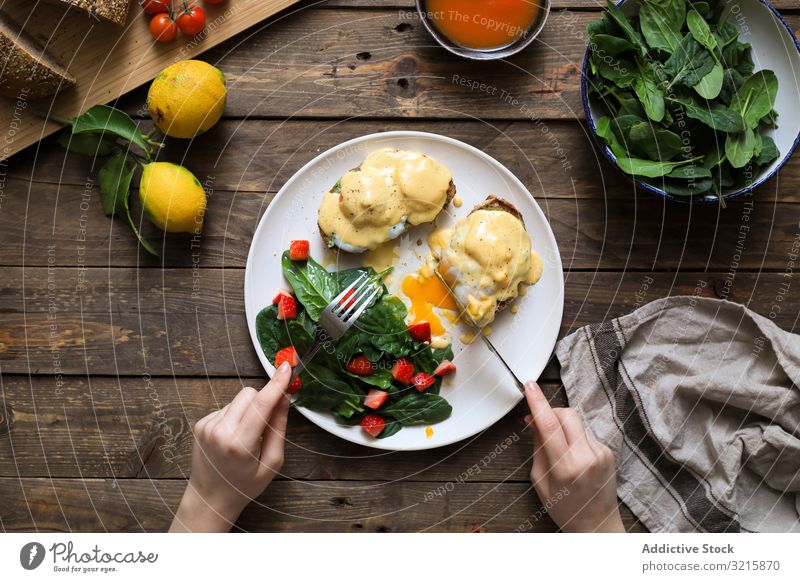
(482,391)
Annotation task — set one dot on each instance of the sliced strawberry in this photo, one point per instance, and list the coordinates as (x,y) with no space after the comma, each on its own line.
(360,366)
(296,384)
(445,368)
(421,331)
(344,300)
(403,370)
(287,307)
(287,355)
(281,293)
(373,424)
(298,250)
(422,381)
(375,398)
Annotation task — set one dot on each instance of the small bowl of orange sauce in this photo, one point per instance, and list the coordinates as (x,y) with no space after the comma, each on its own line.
(484,29)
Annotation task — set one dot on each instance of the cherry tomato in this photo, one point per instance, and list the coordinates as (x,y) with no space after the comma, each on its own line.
(192,20)
(153,7)
(163,28)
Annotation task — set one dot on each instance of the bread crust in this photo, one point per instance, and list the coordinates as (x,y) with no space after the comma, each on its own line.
(115,11)
(27,71)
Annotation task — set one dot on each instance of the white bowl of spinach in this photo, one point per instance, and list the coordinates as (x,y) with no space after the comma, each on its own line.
(696,100)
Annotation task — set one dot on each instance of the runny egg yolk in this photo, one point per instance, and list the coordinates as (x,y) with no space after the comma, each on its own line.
(427,293)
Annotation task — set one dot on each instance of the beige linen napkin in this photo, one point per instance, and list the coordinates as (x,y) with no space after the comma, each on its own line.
(699,400)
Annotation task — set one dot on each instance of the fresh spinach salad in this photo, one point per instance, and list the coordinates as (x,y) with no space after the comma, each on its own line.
(382,374)
(687,112)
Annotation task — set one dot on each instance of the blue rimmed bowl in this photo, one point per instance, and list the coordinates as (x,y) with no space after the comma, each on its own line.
(774,47)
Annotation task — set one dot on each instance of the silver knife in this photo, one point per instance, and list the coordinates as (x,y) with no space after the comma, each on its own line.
(520,385)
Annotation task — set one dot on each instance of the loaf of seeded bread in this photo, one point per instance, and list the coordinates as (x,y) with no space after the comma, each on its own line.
(27,70)
(115,11)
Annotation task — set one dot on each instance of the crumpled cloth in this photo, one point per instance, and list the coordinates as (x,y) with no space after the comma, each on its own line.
(699,400)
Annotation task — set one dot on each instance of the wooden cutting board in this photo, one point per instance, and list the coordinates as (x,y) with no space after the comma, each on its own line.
(108,60)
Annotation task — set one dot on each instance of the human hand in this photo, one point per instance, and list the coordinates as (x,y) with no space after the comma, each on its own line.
(237,452)
(571,469)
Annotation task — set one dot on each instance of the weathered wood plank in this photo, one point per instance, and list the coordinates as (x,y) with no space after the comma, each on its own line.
(73,505)
(557,159)
(147,321)
(45,224)
(382,63)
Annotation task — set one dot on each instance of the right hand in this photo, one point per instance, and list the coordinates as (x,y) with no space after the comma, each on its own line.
(237,452)
(572,472)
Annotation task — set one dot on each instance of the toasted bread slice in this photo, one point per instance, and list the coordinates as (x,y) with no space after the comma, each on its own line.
(27,70)
(491,203)
(330,243)
(115,11)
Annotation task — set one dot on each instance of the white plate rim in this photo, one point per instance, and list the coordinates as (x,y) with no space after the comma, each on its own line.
(250,316)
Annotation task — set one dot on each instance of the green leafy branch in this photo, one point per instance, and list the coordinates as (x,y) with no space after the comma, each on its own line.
(107,132)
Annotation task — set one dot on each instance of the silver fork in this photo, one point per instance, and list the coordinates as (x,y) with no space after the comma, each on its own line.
(339,316)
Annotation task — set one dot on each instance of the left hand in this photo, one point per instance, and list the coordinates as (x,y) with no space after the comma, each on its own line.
(238,450)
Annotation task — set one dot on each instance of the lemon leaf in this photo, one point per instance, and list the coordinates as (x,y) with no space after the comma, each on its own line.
(104,119)
(115,182)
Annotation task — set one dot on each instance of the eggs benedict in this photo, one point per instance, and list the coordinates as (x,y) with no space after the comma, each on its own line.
(486,258)
(380,199)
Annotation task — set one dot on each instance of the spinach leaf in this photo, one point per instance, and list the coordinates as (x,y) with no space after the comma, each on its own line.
(314,286)
(610,45)
(272,334)
(731,82)
(700,31)
(689,63)
(710,86)
(769,151)
(649,168)
(681,188)
(392,427)
(654,142)
(381,377)
(603,129)
(661,23)
(690,173)
(628,103)
(756,97)
(323,390)
(740,147)
(621,72)
(621,22)
(383,326)
(649,93)
(714,115)
(419,409)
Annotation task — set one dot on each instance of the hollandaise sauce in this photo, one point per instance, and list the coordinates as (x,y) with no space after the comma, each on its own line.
(483,24)
(376,201)
(485,259)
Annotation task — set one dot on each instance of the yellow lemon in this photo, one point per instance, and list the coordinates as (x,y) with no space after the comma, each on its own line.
(172,197)
(187,98)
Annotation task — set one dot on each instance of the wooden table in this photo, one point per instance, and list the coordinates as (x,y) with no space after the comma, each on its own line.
(109,355)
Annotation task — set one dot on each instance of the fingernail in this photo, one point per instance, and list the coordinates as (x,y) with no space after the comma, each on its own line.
(531,386)
(284,368)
